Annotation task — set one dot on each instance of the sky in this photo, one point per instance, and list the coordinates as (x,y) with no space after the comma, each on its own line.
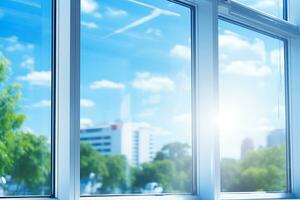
(136,66)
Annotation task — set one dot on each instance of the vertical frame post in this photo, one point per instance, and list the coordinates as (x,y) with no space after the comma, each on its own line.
(294,83)
(67,101)
(208,174)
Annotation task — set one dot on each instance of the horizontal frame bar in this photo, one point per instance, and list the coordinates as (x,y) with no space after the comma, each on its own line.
(245,15)
(256,195)
(27,198)
(146,197)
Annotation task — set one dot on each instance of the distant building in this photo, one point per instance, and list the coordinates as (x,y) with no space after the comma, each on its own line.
(120,139)
(276,137)
(246,147)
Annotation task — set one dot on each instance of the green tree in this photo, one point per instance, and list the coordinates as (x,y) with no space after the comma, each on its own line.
(10,120)
(160,171)
(180,155)
(24,156)
(31,163)
(171,168)
(262,170)
(117,176)
(91,162)
(230,175)
(173,151)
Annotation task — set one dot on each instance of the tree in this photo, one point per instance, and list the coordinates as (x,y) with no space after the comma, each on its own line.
(230,175)
(173,151)
(160,171)
(91,162)
(31,168)
(171,168)
(10,120)
(179,154)
(117,176)
(262,170)
(24,156)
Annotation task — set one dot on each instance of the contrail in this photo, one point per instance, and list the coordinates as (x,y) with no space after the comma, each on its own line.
(154,14)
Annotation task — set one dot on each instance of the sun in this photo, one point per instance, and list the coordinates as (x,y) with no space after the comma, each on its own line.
(228,120)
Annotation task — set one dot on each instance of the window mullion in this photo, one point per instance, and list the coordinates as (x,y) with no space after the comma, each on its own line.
(206,98)
(294,89)
(67,49)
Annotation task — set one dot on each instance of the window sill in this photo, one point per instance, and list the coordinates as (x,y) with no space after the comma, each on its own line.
(256,196)
(143,197)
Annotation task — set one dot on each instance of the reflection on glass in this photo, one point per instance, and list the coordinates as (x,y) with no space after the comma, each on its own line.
(252,111)
(25,93)
(135,97)
(271,7)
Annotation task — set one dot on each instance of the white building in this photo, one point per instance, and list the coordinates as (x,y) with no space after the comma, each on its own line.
(126,139)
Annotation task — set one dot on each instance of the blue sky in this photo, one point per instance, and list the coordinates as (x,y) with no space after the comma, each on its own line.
(252,90)
(272,7)
(25,39)
(135,67)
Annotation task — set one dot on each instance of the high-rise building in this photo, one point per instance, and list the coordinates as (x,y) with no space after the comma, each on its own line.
(246,147)
(276,137)
(134,142)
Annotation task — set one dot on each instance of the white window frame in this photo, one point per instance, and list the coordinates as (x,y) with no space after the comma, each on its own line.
(288,31)
(206,159)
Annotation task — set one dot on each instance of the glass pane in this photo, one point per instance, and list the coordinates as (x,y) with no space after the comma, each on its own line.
(271,7)
(25,94)
(252,111)
(135,97)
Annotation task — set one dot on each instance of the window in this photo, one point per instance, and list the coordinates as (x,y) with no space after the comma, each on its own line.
(149,99)
(253,127)
(25,98)
(272,7)
(135,93)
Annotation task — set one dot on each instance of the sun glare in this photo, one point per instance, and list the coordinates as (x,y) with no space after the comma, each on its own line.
(228,120)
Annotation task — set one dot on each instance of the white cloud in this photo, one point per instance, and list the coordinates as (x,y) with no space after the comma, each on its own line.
(262,129)
(184,119)
(19,47)
(91,25)
(88,6)
(242,56)
(87,103)
(151,100)
(267,4)
(149,128)
(43,103)
(28,62)
(41,78)
(147,82)
(246,68)
(148,112)
(154,31)
(277,57)
(156,12)
(231,42)
(86,123)
(16,45)
(97,15)
(28,3)
(12,38)
(106,84)
(181,51)
(113,12)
